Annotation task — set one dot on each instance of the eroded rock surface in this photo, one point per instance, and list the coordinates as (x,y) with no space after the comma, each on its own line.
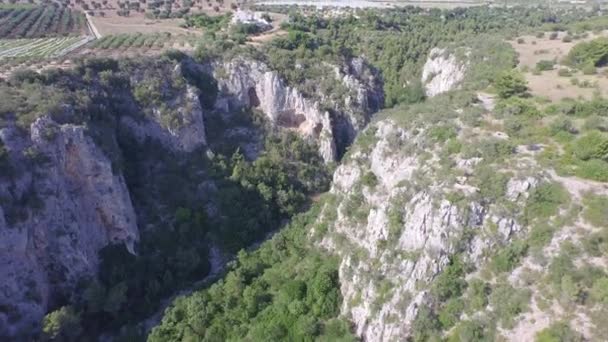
(442,72)
(62,204)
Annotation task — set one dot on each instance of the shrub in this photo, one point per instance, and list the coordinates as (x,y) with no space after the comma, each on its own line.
(442,133)
(594,169)
(545,65)
(517,106)
(508,302)
(589,69)
(562,124)
(553,35)
(508,258)
(477,295)
(369,179)
(594,53)
(596,210)
(563,72)
(494,149)
(544,201)
(596,122)
(540,34)
(567,39)
(510,83)
(599,291)
(558,332)
(491,184)
(540,235)
(521,41)
(593,145)
(450,313)
(62,324)
(426,326)
(469,331)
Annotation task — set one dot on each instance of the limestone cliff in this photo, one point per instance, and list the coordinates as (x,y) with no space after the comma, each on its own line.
(442,72)
(403,228)
(249,83)
(64,196)
(61,204)
(177,123)
(63,186)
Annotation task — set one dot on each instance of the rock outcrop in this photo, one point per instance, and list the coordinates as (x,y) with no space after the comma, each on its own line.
(396,230)
(62,203)
(442,72)
(249,83)
(178,123)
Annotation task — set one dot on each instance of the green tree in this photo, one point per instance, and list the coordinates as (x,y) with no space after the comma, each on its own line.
(593,145)
(511,83)
(117,296)
(62,324)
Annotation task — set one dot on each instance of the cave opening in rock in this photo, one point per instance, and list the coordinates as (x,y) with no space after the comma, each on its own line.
(290,119)
(254,100)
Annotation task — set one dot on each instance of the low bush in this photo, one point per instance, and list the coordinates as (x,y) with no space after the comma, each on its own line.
(545,200)
(558,332)
(545,65)
(509,302)
(596,210)
(563,72)
(509,257)
(593,145)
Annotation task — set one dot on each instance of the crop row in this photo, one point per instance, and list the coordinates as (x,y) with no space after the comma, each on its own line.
(44,21)
(135,40)
(41,47)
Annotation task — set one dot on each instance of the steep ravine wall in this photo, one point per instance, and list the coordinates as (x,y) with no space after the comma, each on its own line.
(65,199)
(405,230)
(66,203)
(249,83)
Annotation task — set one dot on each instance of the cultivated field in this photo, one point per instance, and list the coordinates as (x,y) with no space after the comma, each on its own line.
(548,83)
(41,47)
(144,42)
(42,21)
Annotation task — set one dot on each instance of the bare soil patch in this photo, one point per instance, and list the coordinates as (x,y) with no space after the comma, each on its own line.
(549,84)
(116,25)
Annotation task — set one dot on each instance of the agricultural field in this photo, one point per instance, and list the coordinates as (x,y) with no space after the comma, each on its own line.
(41,47)
(144,42)
(40,21)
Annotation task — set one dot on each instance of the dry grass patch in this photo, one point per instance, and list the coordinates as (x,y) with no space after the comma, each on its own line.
(549,84)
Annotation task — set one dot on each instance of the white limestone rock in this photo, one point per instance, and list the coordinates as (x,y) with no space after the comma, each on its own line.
(409,253)
(442,72)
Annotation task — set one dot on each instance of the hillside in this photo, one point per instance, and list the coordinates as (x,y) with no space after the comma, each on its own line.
(369,175)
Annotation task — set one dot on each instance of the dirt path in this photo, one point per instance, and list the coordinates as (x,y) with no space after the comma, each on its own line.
(92,26)
(578,186)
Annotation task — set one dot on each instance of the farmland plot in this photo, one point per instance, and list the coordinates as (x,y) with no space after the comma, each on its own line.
(41,47)
(42,21)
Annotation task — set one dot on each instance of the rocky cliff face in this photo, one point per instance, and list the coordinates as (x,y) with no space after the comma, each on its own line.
(397,223)
(64,196)
(61,205)
(442,72)
(181,130)
(249,83)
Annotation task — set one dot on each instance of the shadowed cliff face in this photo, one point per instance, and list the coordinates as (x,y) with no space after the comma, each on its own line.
(66,190)
(72,204)
(332,125)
